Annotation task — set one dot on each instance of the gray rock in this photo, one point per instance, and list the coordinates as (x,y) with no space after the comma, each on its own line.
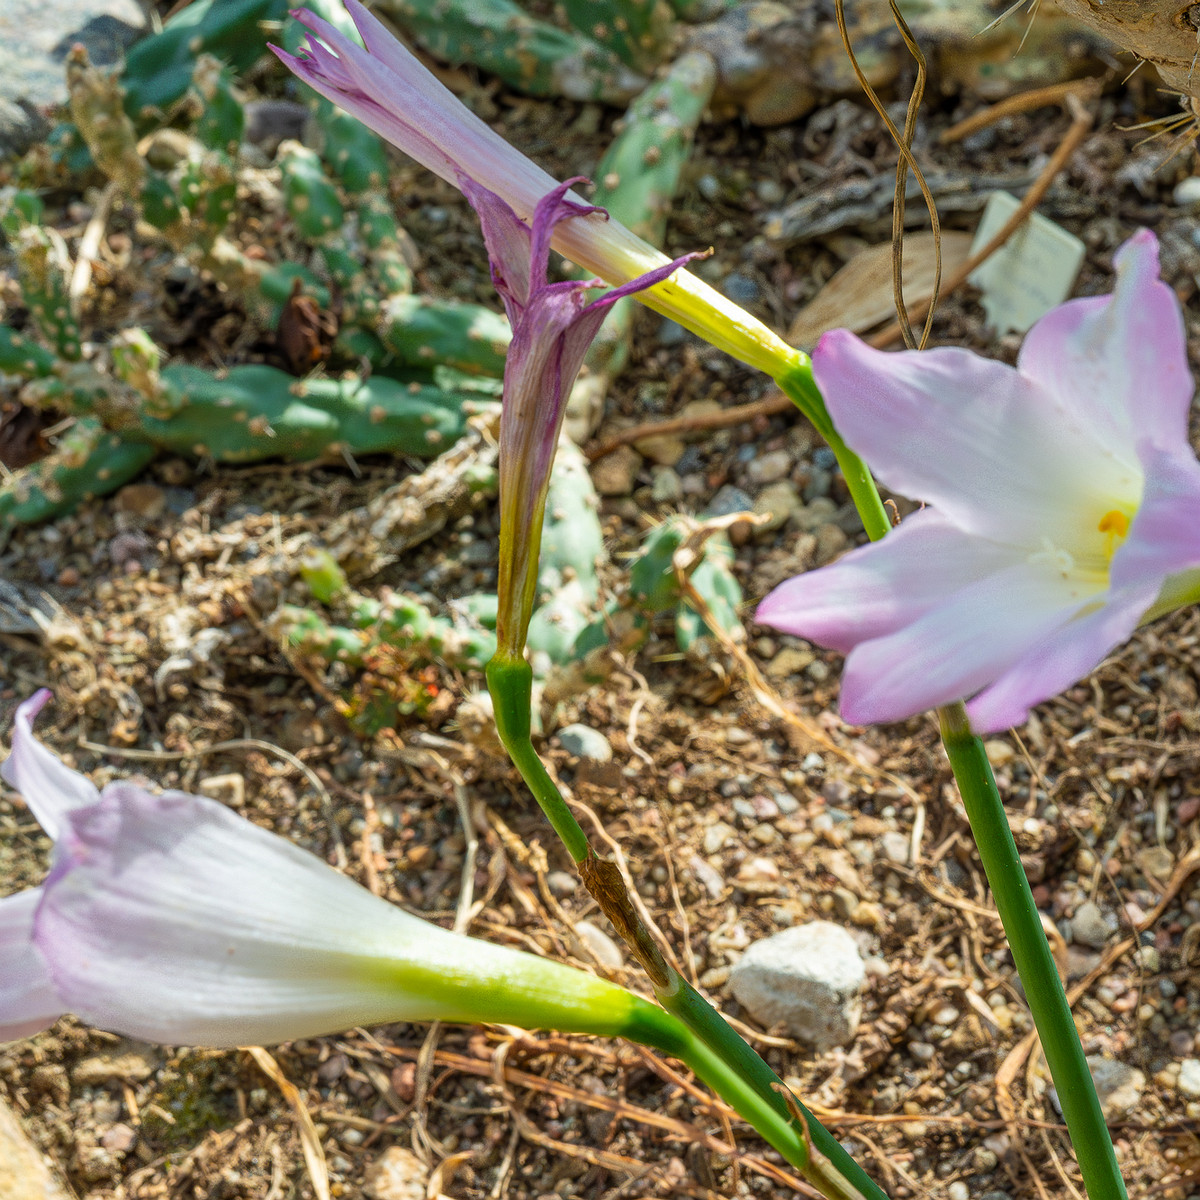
(606,952)
(35,39)
(1189,1077)
(895,846)
(1118,1085)
(666,488)
(1088,926)
(807,979)
(769,467)
(729,499)
(585,742)
(777,503)
(397,1174)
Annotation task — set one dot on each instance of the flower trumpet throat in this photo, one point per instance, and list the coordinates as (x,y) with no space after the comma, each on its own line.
(1061,499)
(386,88)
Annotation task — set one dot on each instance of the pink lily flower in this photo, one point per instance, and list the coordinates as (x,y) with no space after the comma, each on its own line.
(1063,496)
(171,918)
(553,326)
(388,89)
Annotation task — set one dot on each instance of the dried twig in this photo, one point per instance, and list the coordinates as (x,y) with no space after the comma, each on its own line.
(1081,123)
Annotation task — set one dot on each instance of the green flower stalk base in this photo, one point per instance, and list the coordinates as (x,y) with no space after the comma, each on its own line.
(707,1043)
(1031,953)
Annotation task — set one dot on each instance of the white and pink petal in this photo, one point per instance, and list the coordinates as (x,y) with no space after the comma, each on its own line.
(48,785)
(28,1000)
(959,647)
(878,589)
(1119,361)
(978,440)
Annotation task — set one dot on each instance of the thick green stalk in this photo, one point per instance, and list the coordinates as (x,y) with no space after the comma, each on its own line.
(798,385)
(510,682)
(1031,953)
(830,1168)
(1001,863)
(710,1046)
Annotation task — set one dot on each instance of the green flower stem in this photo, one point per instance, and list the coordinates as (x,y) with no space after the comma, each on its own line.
(1031,954)
(1001,863)
(830,1169)
(510,682)
(691,1029)
(798,384)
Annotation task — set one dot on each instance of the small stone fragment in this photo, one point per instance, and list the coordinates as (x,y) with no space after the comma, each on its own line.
(397,1174)
(808,979)
(1189,1078)
(1118,1085)
(585,742)
(769,467)
(616,473)
(1088,926)
(607,953)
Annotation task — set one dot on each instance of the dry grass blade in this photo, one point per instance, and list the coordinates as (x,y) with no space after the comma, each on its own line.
(310,1143)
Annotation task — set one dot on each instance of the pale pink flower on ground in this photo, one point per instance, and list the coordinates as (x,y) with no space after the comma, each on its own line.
(1063,500)
(171,918)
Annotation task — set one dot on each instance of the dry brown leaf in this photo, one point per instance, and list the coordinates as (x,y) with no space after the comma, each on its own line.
(860,296)
(310,1143)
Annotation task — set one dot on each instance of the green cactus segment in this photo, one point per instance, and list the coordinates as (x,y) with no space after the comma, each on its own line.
(21,356)
(257,412)
(323,575)
(404,623)
(702,10)
(398,621)
(715,581)
(572,540)
(309,633)
(638,178)
(421,331)
(653,587)
(208,192)
(88,461)
(97,110)
(572,545)
(312,199)
(18,210)
(160,204)
(532,56)
(637,31)
(354,153)
(158,70)
(221,119)
(67,150)
(44,267)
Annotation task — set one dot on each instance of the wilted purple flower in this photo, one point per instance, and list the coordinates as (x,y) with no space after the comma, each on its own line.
(173,919)
(1063,497)
(553,325)
(387,89)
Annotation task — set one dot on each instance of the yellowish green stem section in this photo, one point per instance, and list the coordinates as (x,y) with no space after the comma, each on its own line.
(1031,953)
(796,382)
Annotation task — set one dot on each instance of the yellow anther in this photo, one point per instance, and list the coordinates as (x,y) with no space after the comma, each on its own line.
(1114,522)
